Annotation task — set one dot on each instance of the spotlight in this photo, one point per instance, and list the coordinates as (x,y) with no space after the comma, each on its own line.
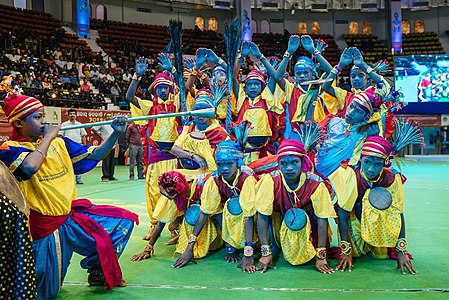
(53,96)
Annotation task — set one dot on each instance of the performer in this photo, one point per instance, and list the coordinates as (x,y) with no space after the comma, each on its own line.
(371,205)
(196,145)
(299,204)
(159,134)
(227,196)
(179,191)
(361,77)
(344,137)
(46,166)
(302,101)
(17,266)
(257,104)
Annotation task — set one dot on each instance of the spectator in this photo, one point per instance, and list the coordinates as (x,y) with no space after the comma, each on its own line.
(76,135)
(134,142)
(85,87)
(108,162)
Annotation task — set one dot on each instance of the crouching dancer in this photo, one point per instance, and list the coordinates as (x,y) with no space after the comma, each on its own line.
(371,204)
(299,204)
(61,224)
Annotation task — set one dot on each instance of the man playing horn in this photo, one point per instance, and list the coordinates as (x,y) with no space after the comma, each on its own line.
(61,224)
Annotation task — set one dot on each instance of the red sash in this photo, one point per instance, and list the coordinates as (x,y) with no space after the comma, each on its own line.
(41,225)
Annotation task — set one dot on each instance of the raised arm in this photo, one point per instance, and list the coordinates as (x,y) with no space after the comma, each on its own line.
(141,68)
(307,43)
(293,44)
(270,69)
(345,60)
(359,62)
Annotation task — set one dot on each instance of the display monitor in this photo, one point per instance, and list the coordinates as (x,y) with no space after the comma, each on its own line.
(422,78)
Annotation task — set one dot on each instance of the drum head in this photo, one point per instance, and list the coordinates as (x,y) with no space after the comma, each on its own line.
(164,145)
(192,214)
(295,219)
(234,207)
(189,164)
(257,141)
(380,198)
(10,188)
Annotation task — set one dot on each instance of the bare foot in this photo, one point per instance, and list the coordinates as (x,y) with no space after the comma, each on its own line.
(123,283)
(173,241)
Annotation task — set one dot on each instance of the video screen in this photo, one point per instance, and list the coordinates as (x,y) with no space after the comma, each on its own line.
(423,78)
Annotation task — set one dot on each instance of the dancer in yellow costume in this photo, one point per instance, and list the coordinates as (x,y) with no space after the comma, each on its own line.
(179,192)
(299,204)
(159,134)
(196,144)
(227,196)
(371,204)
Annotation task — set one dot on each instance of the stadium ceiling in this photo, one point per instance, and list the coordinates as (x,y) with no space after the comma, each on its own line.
(312,5)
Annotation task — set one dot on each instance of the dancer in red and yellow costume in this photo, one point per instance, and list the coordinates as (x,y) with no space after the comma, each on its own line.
(228,198)
(196,144)
(371,205)
(299,204)
(257,104)
(159,134)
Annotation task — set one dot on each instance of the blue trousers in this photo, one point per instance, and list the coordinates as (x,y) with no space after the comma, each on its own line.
(53,253)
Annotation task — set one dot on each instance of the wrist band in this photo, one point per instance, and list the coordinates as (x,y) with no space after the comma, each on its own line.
(369,70)
(334,71)
(192,239)
(149,249)
(135,77)
(316,52)
(265,250)
(401,246)
(41,153)
(262,57)
(286,54)
(321,253)
(173,70)
(251,244)
(345,247)
(248,251)
(220,61)
(195,73)
(339,69)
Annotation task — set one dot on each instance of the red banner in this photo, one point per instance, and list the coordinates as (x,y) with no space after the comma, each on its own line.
(58,115)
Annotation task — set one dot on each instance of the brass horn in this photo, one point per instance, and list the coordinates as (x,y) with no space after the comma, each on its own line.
(204,113)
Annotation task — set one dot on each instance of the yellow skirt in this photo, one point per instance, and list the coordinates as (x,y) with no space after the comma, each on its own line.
(153,194)
(359,246)
(296,245)
(209,239)
(380,228)
(233,228)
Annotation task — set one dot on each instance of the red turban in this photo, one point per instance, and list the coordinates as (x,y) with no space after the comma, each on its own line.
(18,107)
(257,75)
(174,185)
(295,148)
(368,100)
(162,78)
(376,146)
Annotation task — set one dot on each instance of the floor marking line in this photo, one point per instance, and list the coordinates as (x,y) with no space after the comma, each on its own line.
(320,290)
